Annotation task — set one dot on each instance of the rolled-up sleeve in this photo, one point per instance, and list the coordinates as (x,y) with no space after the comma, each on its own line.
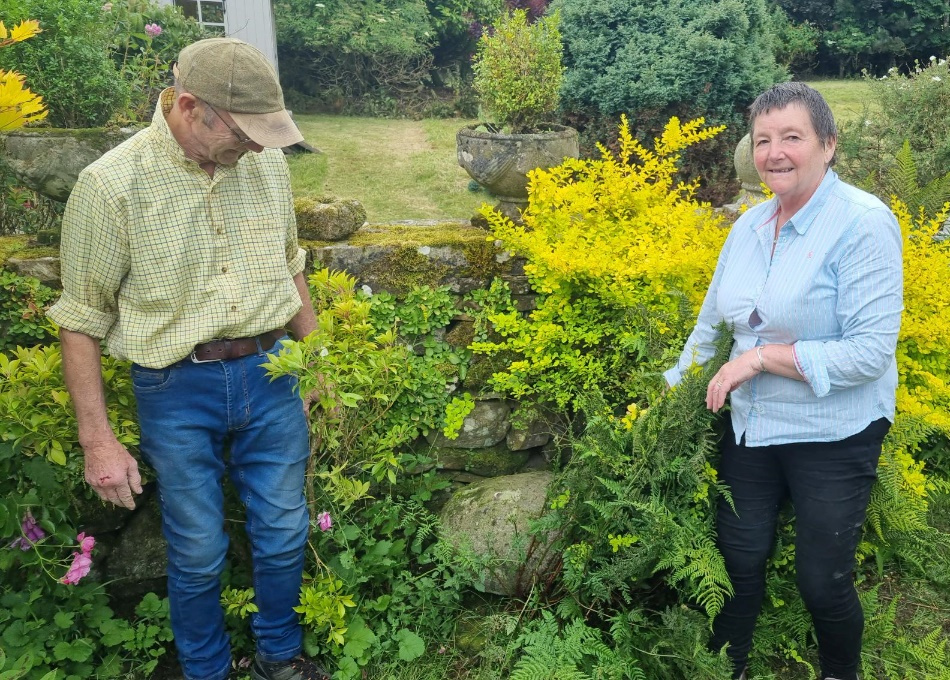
(869,306)
(95,259)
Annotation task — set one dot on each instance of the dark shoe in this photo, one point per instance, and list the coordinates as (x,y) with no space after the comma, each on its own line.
(298,668)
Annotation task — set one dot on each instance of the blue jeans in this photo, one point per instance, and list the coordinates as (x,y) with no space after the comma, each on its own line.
(829,484)
(199,421)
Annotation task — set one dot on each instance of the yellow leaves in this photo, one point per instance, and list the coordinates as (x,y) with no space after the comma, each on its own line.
(22,31)
(923,353)
(620,225)
(18,105)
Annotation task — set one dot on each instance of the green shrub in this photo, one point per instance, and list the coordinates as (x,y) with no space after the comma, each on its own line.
(144,60)
(69,63)
(911,107)
(337,51)
(23,302)
(518,71)
(796,44)
(376,57)
(653,60)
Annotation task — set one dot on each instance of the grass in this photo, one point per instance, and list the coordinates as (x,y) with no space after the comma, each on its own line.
(398,169)
(846,98)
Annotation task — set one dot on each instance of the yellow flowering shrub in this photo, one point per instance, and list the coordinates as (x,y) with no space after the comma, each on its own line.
(18,105)
(923,352)
(621,254)
(899,502)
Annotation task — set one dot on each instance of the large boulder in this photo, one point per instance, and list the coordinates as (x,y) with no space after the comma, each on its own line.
(491,518)
(49,160)
(328,220)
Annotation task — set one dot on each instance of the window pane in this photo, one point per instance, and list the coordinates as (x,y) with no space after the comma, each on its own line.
(212,12)
(189,8)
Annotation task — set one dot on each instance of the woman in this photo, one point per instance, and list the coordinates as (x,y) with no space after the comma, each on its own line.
(811,283)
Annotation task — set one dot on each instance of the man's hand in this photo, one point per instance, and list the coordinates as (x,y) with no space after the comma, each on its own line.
(112,472)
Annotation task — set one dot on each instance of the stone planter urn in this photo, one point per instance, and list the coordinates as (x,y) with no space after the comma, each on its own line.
(746,173)
(49,160)
(501,162)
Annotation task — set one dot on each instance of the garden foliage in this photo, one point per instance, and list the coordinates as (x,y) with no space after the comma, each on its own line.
(146,39)
(370,55)
(104,46)
(902,108)
(23,303)
(73,48)
(18,105)
(852,36)
(653,60)
(606,323)
(518,71)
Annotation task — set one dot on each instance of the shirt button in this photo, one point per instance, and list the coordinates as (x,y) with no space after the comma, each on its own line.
(233,308)
(224,270)
(220,231)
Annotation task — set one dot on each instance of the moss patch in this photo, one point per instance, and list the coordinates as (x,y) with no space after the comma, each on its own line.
(448,234)
(404,269)
(19,247)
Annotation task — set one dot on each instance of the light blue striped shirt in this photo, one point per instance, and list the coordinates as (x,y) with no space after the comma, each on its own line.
(834,290)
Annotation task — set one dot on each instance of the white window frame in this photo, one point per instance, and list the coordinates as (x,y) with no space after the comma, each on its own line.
(210,24)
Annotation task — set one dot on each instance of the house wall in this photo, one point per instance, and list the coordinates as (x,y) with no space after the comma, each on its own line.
(251,21)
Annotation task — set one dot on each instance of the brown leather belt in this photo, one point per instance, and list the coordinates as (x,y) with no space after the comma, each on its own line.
(235,348)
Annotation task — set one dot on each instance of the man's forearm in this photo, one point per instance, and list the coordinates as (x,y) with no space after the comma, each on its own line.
(303,322)
(82,370)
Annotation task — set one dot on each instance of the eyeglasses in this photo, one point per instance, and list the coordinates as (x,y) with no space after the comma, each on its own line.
(242,139)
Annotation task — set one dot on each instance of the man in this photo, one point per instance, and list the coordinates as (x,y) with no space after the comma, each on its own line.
(180,251)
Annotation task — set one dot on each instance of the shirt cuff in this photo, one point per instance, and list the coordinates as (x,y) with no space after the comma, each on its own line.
(75,316)
(673,376)
(811,362)
(297,264)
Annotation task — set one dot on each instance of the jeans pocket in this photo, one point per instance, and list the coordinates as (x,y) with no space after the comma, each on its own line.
(150,379)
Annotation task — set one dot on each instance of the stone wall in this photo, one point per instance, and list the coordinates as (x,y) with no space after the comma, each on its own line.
(503,467)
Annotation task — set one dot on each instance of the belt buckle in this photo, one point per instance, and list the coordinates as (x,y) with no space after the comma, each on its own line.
(195,360)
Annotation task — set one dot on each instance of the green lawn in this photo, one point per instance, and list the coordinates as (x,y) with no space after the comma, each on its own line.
(407,170)
(398,169)
(845,97)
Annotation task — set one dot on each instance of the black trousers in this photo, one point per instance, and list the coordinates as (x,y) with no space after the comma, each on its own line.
(829,485)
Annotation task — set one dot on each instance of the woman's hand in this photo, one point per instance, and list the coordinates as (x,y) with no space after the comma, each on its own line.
(732,374)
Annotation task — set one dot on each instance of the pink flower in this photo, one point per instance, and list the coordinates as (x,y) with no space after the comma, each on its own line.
(324,521)
(86,543)
(153,30)
(79,568)
(32,533)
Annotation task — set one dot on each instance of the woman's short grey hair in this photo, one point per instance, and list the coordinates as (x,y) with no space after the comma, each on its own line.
(782,94)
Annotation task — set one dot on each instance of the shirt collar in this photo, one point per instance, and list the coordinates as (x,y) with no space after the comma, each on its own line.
(803,219)
(163,134)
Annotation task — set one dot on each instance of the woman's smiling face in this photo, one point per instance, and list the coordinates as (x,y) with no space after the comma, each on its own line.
(789,156)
